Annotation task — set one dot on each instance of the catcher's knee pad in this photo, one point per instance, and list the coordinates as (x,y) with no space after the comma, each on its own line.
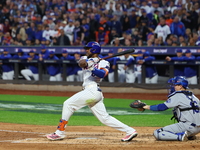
(163,135)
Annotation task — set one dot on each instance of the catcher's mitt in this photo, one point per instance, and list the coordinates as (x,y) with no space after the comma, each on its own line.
(138,105)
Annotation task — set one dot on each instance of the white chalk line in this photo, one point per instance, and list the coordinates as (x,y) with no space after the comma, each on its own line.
(21,131)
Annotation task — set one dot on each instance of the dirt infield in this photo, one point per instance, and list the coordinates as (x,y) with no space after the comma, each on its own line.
(32,137)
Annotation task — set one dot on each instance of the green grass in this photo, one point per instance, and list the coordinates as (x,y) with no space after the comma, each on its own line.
(46,110)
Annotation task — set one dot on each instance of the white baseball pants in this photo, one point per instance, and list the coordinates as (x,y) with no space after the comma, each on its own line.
(27,73)
(56,77)
(8,75)
(92,98)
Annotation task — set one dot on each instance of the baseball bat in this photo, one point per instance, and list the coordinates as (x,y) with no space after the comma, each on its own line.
(120,53)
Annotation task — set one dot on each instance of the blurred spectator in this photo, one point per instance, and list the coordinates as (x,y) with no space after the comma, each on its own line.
(7,68)
(121,71)
(46,33)
(177,27)
(113,34)
(53,69)
(18,40)
(178,69)
(102,37)
(21,30)
(39,32)
(86,29)
(143,18)
(7,39)
(117,25)
(143,30)
(190,71)
(155,6)
(133,18)
(44,53)
(77,69)
(129,68)
(69,71)
(171,7)
(69,28)
(162,29)
(151,72)
(93,27)
(138,67)
(28,42)
(63,39)
(168,18)
(118,12)
(6,26)
(78,32)
(112,61)
(1,37)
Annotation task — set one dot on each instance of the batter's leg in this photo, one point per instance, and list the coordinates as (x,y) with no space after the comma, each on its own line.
(100,112)
(76,102)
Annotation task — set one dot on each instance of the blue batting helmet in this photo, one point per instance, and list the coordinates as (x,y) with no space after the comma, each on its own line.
(95,47)
(178,80)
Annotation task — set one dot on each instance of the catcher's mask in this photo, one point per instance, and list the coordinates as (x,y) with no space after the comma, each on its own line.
(178,80)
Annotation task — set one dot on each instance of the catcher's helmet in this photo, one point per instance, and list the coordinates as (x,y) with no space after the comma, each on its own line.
(95,47)
(178,80)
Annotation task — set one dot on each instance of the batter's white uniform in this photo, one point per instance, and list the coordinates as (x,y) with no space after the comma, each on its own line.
(92,97)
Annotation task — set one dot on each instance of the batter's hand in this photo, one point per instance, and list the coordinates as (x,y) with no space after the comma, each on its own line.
(90,64)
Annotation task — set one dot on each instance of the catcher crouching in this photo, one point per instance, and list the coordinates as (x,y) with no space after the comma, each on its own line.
(185,111)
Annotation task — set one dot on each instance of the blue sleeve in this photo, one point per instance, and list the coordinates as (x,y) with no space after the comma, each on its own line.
(189,58)
(150,58)
(115,59)
(159,107)
(177,58)
(130,61)
(99,73)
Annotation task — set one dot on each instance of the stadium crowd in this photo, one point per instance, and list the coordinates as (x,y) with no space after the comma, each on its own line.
(109,22)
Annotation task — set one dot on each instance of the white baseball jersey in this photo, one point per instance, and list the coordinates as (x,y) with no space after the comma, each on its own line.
(69,31)
(162,31)
(89,78)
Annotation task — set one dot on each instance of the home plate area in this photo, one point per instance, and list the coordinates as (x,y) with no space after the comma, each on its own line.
(90,138)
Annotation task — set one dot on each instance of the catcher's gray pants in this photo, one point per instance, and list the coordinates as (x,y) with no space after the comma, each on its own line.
(170,132)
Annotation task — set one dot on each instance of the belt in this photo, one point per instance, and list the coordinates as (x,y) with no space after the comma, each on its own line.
(192,124)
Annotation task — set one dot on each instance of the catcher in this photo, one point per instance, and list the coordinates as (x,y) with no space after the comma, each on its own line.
(186,112)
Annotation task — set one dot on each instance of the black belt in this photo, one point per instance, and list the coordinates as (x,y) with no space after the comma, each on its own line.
(194,125)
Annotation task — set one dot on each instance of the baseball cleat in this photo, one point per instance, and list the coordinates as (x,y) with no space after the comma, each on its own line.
(192,137)
(129,137)
(184,136)
(54,137)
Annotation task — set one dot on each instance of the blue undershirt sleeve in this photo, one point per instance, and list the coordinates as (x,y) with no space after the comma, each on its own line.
(99,72)
(159,107)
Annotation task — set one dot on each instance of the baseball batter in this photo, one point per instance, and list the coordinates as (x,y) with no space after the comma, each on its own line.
(186,112)
(94,70)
